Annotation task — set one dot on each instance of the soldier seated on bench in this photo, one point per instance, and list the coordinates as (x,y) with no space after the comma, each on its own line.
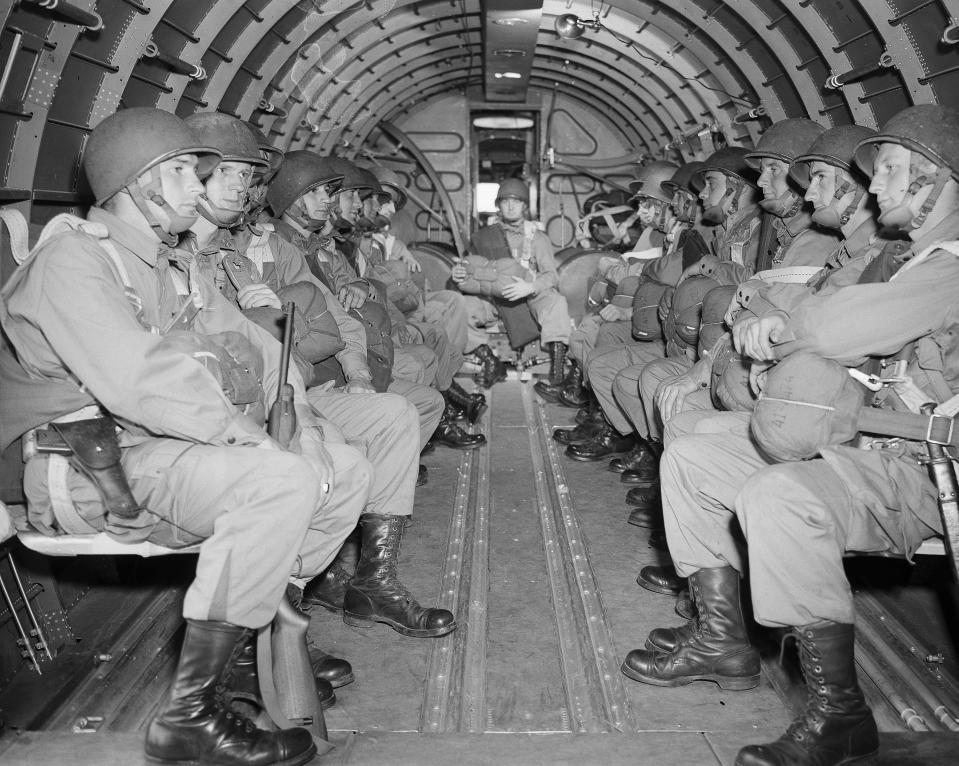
(531,302)
(105,320)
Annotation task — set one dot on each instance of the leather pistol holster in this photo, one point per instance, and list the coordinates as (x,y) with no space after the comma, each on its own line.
(95,452)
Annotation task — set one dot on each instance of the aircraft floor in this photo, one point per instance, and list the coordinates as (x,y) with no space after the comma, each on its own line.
(533,554)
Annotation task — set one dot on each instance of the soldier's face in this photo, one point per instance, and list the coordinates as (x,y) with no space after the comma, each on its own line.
(773,177)
(891,177)
(822,184)
(649,210)
(316,203)
(388,210)
(371,206)
(348,201)
(228,185)
(180,186)
(511,209)
(715,188)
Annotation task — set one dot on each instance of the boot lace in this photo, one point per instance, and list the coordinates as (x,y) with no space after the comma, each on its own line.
(817,695)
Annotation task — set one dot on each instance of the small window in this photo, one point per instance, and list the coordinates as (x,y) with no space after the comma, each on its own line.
(486,197)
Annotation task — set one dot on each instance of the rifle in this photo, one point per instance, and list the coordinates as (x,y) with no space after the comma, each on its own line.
(944,475)
(287,686)
(282,421)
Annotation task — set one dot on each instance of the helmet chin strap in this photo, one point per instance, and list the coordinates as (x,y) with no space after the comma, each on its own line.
(901,216)
(220,217)
(829,216)
(297,211)
(715,213)
(786,205)
(152,190)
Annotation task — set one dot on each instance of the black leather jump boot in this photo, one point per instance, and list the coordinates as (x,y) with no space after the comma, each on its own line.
(631,459)
(837,726)
(375,594)
(573,393)
(663,580)
(472,405)
(493,369)
(550,388)
(718,650)
(328,589)
(606,442)
(644,470)
(195,723)
(584,432)
(450,434)
(647,507)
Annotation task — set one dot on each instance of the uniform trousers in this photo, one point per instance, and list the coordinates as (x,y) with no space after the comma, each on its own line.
(798,519)
(262,516)
(603,367)
(449,359)
(447,308)
(428,402)
(414,362)
(380,426)
(548,308)
(592,332)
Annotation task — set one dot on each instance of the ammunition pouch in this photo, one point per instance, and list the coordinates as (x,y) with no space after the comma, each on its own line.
(401,290)
(233,361)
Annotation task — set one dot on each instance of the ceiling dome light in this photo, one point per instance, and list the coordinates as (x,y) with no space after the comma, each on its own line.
(508,75)
(510,21)
(502,122)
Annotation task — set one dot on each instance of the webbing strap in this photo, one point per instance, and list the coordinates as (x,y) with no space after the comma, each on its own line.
(19,232)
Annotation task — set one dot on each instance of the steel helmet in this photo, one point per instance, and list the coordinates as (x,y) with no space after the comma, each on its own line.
(931,130)
(128,143)
(649,180)
(513,187)
(730,161)
(300,172)
(784,141)
(358,179)
(272,154)
(684,180)
(836,147)
(230,136)
(390,181)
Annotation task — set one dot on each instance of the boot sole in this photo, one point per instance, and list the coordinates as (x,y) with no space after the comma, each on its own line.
(643,524)
(356,621)
(635,482)
(595,458)
(726,683)
(461,446)
(343,681)
(860,759)
(659,588)
(297,760)
(325,604)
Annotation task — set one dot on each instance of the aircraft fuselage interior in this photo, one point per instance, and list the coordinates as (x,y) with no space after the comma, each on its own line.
(526,382)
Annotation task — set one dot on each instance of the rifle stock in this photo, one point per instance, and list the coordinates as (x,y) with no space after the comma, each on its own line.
(944,475)
(282,421)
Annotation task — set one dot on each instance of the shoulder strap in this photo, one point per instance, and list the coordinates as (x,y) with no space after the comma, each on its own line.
(16,224)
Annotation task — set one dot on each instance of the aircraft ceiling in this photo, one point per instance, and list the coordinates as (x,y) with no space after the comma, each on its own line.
(322,74)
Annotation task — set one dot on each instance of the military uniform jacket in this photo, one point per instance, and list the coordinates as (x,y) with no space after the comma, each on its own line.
(81,337)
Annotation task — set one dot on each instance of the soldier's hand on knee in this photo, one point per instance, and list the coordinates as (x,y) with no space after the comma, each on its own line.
(671,395)
(757,376)
(612,313)
(257,296)
(359,385)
